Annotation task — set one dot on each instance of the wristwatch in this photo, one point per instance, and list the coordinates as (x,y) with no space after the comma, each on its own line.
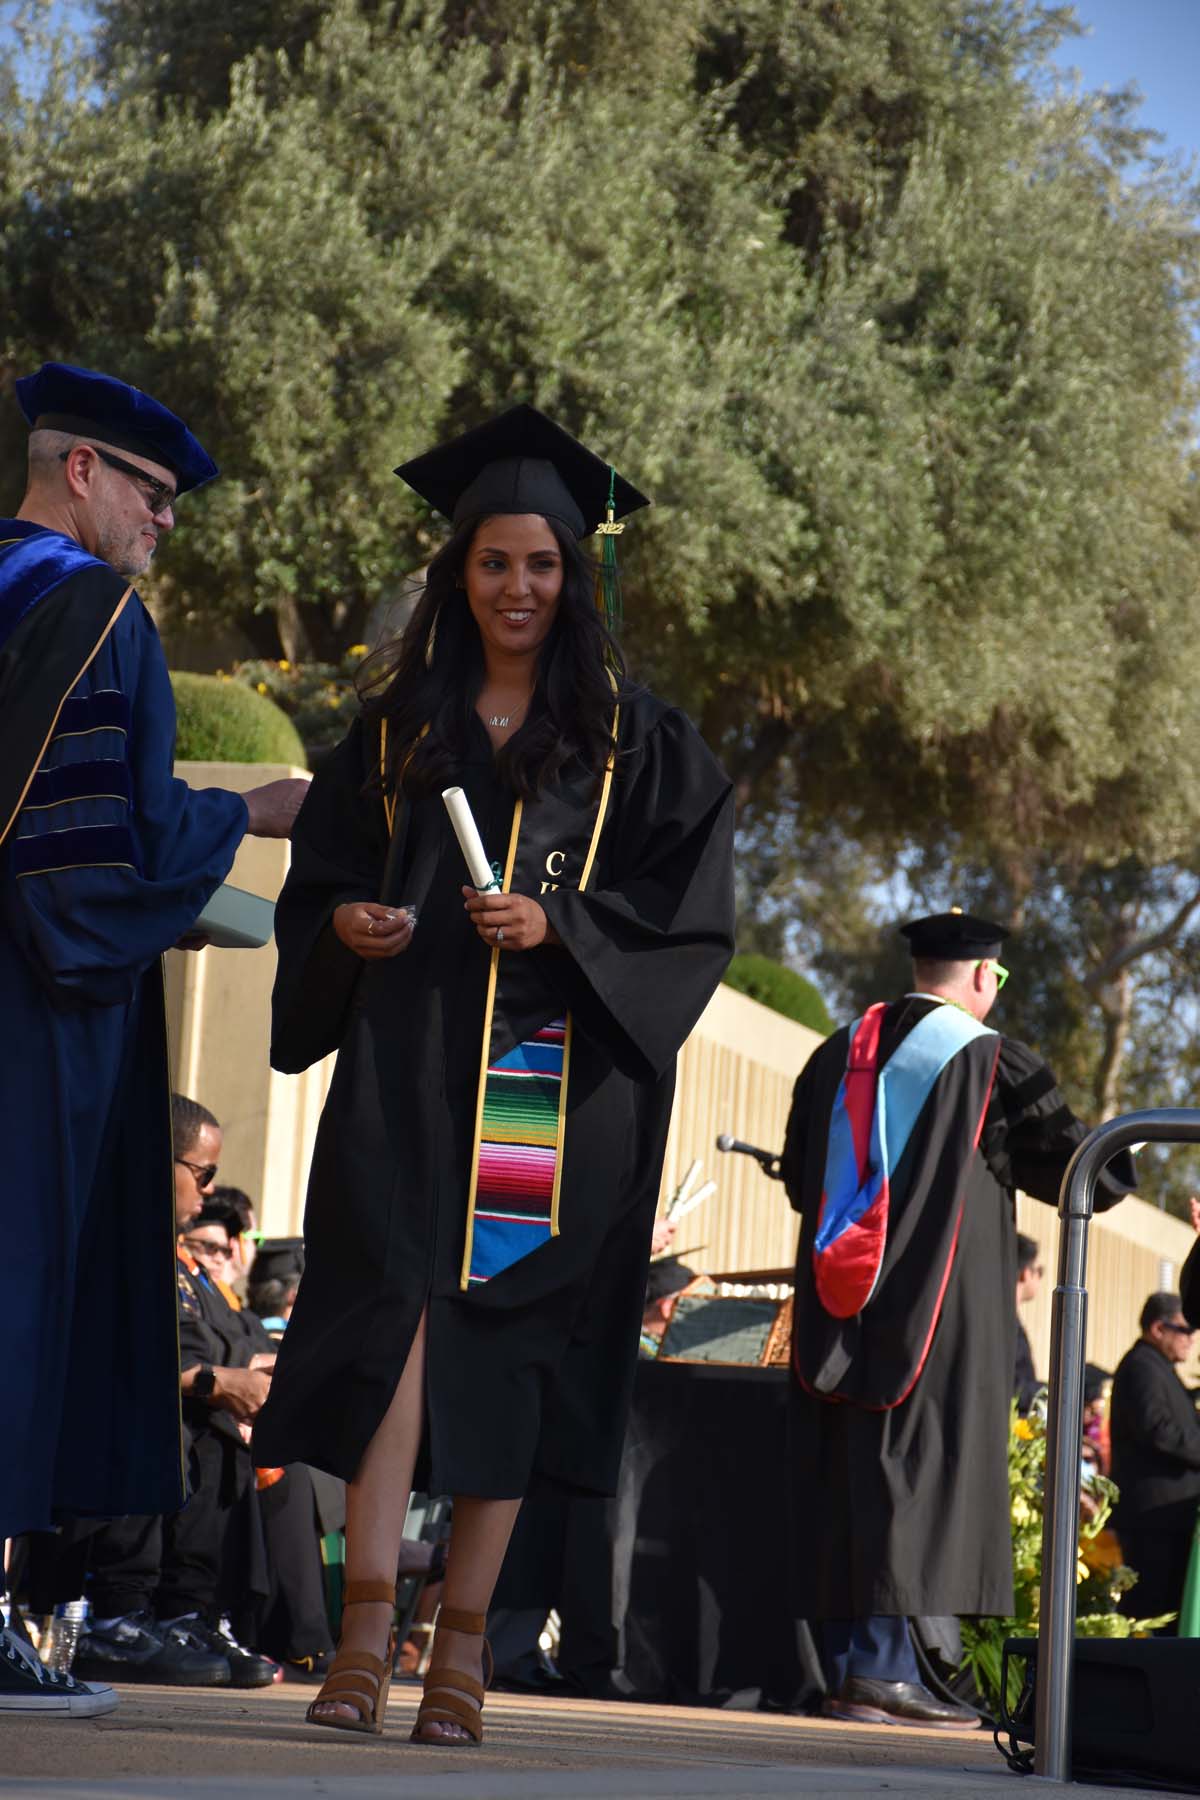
(204,1385)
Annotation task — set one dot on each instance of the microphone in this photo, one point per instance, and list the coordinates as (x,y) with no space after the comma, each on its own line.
(767,1161)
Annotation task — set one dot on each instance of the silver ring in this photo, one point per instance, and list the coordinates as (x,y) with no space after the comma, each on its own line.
(499,934)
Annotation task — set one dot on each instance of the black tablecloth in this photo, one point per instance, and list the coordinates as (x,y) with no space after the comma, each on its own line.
(699,1543)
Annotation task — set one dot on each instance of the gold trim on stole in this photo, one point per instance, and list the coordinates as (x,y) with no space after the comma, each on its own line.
(601,812)
(510,861)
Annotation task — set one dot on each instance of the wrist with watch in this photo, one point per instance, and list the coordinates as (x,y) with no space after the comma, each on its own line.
(204,1383)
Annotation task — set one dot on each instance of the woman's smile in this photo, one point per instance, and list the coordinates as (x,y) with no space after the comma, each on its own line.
(513,576)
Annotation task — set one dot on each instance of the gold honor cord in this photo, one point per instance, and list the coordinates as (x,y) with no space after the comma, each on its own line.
(93,653)
(389,805)
(601,813)
(493,969)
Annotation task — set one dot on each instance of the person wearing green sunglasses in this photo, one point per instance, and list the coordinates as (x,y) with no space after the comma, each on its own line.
(910,1131)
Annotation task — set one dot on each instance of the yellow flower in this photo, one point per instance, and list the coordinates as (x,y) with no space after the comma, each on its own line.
(1021,1511)
(1081,1571)
(357,650)
(1023,1429)
(283,663)
(261,686)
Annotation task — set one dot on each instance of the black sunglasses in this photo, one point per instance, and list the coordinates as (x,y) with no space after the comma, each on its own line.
(1174,1325)
(157,494)
(204,1172)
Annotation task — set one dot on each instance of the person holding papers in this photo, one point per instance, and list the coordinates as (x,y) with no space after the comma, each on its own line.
(485,1177)
(105,861)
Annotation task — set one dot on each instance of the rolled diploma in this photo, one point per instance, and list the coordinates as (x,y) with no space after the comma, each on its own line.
(693,1201)
(469,840)
(685,1186)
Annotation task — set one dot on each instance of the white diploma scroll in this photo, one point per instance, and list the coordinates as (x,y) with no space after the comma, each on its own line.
(691,1202)
(469,840)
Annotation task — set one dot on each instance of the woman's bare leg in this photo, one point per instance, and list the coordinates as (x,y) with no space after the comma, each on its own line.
(376,1503)
(478,1541)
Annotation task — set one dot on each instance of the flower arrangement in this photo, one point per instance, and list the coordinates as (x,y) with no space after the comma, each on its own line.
(1101,1575)
(318,697)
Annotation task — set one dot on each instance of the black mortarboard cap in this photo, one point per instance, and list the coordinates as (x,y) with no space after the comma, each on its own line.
(667,1276)
(1095,1380)
(62,398)
(278,1259)
(953,937)
(520,462)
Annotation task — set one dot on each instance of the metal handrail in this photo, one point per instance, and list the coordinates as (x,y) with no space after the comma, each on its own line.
(1064,1425)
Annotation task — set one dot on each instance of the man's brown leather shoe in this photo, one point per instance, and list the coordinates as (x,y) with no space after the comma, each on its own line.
(898,1703)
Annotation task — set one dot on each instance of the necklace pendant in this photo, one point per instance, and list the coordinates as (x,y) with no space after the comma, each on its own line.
(500,722)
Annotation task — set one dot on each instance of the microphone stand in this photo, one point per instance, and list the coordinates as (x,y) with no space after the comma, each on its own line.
(770,1164)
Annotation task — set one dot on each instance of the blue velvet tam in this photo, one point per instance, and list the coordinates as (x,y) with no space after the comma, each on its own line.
(62,398)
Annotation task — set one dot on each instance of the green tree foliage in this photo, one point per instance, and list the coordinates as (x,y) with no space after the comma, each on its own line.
(897,333)
(892,335)
(780,988)
(220,720)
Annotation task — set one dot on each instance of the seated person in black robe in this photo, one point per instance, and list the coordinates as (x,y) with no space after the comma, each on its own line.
(908,1135)
(163,1590)
(1154,1432)
(487,1167)
(289,1622)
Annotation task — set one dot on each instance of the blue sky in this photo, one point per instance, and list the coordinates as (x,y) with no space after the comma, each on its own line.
(1154,44)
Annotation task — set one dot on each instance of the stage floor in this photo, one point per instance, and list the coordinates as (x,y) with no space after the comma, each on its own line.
(188,1744)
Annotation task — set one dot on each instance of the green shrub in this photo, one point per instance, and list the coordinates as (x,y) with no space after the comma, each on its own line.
(781,989)
(219,720)
(319,698)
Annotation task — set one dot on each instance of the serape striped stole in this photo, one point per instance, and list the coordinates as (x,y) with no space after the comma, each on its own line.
(521,1103)
(521,1115)
(519,1155)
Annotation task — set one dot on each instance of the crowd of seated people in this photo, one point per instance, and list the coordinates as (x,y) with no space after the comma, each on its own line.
(232,1588)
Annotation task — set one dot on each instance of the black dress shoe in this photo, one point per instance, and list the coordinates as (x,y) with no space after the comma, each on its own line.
(898,1703)
(247,1669)
(136,1649)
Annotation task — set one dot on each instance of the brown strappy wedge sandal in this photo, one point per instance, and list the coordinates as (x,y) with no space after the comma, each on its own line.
(356,1678)
(439,1702)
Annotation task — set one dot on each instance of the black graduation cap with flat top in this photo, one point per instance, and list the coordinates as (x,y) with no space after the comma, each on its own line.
(279,1259)
(954,936)
(521,462)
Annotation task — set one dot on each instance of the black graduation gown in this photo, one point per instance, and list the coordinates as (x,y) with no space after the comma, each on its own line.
(529,1377)
(906,1511)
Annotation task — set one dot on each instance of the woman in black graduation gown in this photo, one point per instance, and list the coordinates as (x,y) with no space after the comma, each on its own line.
(486,1171)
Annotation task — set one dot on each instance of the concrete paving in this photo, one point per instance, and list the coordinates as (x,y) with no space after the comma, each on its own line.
(184,1744)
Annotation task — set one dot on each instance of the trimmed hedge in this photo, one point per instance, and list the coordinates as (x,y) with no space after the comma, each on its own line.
(218,720)
(781,989)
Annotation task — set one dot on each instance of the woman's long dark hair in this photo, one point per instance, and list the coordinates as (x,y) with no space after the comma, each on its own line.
(433,675)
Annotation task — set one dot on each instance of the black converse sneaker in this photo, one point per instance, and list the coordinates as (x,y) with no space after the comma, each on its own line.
(28,1686)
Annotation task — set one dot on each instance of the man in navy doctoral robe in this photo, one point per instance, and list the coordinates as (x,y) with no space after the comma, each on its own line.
(106,860)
